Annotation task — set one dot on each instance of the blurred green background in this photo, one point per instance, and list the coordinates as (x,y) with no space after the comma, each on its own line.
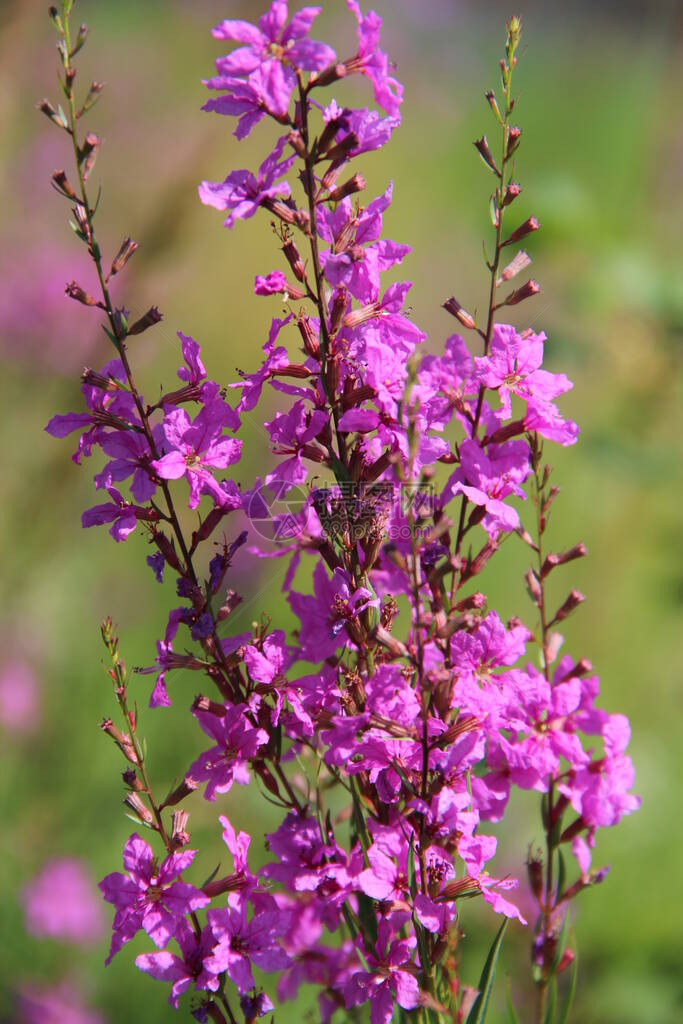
(601,163)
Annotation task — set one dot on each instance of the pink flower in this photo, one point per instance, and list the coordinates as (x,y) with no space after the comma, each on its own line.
(242,193)
(148,896)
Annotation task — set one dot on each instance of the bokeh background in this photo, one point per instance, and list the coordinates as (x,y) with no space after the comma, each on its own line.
(601,165)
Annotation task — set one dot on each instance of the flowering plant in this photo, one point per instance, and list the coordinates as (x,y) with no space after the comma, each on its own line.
(391,726)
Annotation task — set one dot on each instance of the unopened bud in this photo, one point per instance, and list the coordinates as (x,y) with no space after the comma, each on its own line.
(349,188)
(573,601)
(92,98)
(533,586)
(57,117)
(514,135)
(87,154)
(128,247)
(134,801)
(294,259)
(151,317)
(80,39)
(329,75)
(179,834)
(553,560)
(310,340)
(329,133)
(360,316)
(480,560)
(338,306)
(130,779)
(534,867)
(187,786)
(529,225)
(61,183)
(511,193)
(74,291)
(297,143)
(520,294)
(461,315)
(205,704)
(521,261)
(482,147)
(493,103)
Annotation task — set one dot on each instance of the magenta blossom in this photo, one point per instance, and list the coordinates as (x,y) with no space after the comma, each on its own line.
(242,942)
(196,447)
(186,969)
(237,742)
(373,62)
(242,193)
(148,896)
(391,975)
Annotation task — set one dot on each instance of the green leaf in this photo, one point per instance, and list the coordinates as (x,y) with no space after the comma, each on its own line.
(552,1002)
(410,869)
(561,874)
(477,1014)
(512,1013)
(571,991)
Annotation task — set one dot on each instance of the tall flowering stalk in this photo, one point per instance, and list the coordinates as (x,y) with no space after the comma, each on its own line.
(401,692)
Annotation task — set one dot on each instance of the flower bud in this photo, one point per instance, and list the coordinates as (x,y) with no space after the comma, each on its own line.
(455,309)
(310,340)
(514,135)
(297,143)
(360,316)
(328,76)
(529,225)
(349,188)
(179,834)
(87,154)
(187,786)
(61,183)
(520,262)
(493,103)
(141,811)
(130,779)
(294,259)
(57,117)
(534,587)
(151,317)
(511,193)
(520,294)
(534,867)
(482,147)
(74,291)
(553,560)
(573,601)
(128,247)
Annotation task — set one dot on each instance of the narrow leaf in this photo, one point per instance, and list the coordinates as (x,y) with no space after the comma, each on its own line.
(512,1013)
(552,1002)
(571,991)
(477,1014)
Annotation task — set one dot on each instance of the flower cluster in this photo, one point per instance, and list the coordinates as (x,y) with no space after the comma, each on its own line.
(400,687)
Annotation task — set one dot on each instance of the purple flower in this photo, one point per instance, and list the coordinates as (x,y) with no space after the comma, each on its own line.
(148,897)
(324,614)
(373,62)
(197,447)
(271,53)
(241,943)
(237,742)
(186,969)
(120,513)
(61,903)
(390,975)
(486,479)
(513,367)
(157,563)
(241,193)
